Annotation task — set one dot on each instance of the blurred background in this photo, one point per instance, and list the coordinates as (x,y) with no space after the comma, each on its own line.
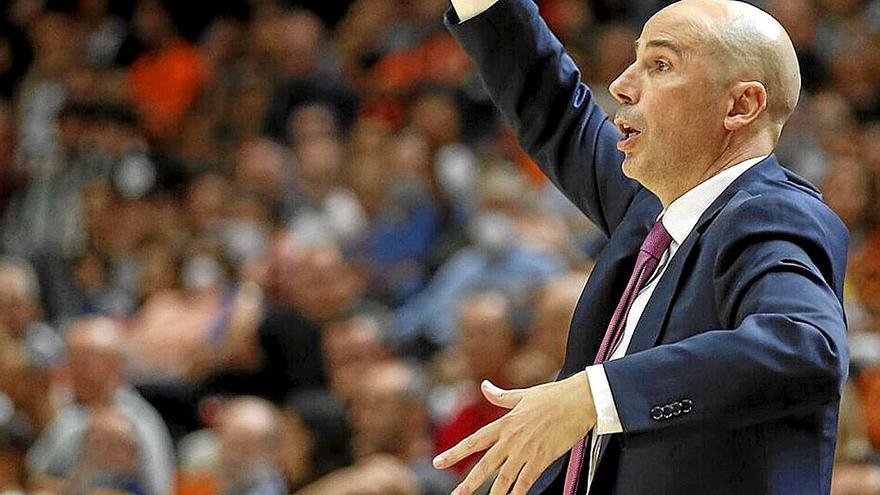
(265,247)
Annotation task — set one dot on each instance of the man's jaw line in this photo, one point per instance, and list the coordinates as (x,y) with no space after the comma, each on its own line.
(723,160)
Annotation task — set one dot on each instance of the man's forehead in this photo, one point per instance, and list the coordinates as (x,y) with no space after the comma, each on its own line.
(678,29)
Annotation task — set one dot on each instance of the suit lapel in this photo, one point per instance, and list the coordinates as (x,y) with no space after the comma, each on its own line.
(657,310)
(654,317)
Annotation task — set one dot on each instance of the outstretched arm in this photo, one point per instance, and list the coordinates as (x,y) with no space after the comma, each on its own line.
(538,88)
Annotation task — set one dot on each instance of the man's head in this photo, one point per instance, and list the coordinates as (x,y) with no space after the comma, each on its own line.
(389,410)
(352,346)
(152,23)
(713,83)
(296,47)
(249,429)
(96,360)
(486,335)
(260,168)
(552,316)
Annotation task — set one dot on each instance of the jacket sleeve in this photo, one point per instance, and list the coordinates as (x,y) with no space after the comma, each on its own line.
(538,88)
(783,348)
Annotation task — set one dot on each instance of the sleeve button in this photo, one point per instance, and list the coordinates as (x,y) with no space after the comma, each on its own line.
(687,405)
(656,413)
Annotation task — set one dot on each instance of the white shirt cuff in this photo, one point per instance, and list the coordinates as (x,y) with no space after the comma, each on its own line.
(467,9)
(607,420)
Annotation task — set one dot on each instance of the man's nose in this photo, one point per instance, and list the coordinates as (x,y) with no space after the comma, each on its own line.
(624,89)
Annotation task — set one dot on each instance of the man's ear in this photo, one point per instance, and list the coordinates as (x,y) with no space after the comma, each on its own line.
(748,101)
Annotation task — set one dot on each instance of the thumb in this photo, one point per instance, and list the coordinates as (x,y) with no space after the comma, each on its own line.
(500,397)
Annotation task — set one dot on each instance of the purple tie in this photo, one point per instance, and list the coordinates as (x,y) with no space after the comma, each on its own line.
(650,252)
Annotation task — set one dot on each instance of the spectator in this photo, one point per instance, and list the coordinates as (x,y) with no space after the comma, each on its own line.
(29,352)
(301,56)
(543,351)
(353,345)
(494,260)
(486,344)
(96,368)
(166,79)
(239,454)
(249,432)
(317,437)
(109,459)
(321,201)
(390,416)
(43,91)
(404,224)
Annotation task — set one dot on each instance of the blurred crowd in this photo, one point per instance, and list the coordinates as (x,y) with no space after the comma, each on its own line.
(259,247)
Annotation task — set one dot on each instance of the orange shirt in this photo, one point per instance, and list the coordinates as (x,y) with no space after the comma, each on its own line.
(164,85)
(437,59)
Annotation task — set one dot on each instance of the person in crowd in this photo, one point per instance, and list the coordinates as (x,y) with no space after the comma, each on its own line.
(29,352)
(390,417)
(303,60)
(543,351)
(498,257)
(321,200)
(96,371)
(249,430)
(166,78)
(352,345)
(485,346)
(109,458)
(316,437)
(240,451)
(404,225)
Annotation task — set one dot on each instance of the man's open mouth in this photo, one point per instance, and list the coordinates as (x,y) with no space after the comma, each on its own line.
(629,135)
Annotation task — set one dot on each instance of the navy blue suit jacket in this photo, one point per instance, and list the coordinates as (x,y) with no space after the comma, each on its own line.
(732,381)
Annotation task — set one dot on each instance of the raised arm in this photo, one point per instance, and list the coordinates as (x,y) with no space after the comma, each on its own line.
(538,88)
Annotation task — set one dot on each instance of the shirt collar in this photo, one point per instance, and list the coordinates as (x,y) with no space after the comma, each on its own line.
(682,215)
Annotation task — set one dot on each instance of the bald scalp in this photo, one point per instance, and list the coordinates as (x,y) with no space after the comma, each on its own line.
(98,335)
(748,44)
(759,48)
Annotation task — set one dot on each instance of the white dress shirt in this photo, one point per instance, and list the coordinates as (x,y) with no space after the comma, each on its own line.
(467,9)
(679,219)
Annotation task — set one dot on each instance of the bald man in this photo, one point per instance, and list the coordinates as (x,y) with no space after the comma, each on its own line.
(96,370)
(708,348)
(249,429)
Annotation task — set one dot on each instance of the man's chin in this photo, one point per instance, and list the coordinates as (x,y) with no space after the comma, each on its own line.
(631,166)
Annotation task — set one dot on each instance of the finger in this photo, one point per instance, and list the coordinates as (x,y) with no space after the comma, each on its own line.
(527,477)
(500,397)
(481,471)
(506,476)
(482,439)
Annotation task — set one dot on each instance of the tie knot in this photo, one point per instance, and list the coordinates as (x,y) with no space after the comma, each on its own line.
(657,241)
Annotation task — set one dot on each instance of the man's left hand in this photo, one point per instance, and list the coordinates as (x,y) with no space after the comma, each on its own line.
(543,423)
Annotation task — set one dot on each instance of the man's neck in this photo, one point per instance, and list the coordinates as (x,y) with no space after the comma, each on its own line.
(726,159)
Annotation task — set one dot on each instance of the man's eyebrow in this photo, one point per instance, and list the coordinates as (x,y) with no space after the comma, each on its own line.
(662,43)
